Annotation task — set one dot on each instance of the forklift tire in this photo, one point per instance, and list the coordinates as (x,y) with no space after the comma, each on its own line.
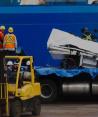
(15,108)
(36,106)
(48,91)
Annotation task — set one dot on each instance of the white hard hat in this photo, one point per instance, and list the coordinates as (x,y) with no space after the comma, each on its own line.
(28,63)
(9,63)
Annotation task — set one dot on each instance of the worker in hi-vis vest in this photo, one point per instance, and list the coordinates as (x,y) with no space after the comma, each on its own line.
(86,35)
(2,29)
(10,41)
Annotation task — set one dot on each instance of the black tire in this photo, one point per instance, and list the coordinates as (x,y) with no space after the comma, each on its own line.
(48,91)
(15,108)
(36,106)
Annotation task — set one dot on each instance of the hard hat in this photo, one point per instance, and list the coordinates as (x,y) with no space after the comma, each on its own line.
(10,29)
(2,27)
(85,29)
(9,63)
(28,63)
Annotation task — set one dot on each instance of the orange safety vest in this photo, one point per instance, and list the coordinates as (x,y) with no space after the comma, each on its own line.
(9,41)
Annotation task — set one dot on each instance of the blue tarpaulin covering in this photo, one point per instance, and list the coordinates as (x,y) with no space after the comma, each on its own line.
(66,73)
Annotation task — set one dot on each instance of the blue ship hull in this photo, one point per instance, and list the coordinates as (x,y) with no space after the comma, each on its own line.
(33,26)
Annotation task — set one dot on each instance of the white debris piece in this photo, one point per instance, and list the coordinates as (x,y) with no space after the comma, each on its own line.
(62,45)
(60,39)
(31,2)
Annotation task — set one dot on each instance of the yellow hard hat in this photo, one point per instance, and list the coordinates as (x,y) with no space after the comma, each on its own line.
(2,27)
(10,29)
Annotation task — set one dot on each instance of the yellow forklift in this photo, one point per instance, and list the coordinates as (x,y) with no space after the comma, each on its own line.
(19,91)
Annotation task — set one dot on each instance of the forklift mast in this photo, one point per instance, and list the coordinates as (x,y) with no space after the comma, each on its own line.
(2,57)
(3,85)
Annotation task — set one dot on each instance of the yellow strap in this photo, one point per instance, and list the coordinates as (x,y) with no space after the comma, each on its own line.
(9,43)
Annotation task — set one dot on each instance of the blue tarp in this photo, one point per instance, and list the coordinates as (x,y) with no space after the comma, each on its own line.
(66,73)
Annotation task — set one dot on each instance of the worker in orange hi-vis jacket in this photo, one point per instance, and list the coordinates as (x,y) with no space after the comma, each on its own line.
(2,29)
(10,41)
(32,2)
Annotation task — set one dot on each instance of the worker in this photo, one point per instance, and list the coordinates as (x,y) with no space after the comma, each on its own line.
(11,75)
(15,66)
(86,35)
(9,69)
(10,66)
(10,41)
(28,65)
(27,71)
(2,29)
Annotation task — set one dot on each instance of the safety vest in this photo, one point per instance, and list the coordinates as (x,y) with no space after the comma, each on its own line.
(9,41)
(87,37)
